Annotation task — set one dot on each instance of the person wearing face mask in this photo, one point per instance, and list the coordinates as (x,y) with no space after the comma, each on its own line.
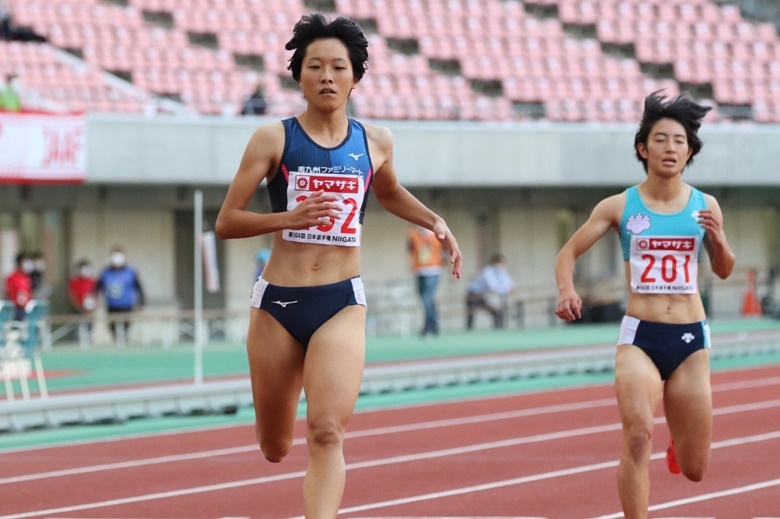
(18,285)
(81,293)
(121,287)
(41,288)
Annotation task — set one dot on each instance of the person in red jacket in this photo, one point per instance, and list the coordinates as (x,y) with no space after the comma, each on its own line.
(81,293)
(18,286)
(81,288)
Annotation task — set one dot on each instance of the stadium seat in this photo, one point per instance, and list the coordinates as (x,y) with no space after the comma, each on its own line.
(486,41)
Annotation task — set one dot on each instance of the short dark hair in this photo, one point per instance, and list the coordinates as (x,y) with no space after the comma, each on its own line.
(683,109)
(313,27)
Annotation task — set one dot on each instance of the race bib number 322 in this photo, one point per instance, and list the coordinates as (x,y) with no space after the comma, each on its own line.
(664,265)
(349,191)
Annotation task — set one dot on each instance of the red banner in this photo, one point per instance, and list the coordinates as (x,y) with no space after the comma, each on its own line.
(42,148)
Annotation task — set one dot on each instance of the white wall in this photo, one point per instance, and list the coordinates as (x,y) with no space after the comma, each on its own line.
(206,150)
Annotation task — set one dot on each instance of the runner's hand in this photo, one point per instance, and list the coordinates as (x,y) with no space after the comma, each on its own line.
(569,306)
(317,209)
(449,242)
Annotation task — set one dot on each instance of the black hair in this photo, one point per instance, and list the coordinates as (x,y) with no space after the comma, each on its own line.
(683,109)
(313,27)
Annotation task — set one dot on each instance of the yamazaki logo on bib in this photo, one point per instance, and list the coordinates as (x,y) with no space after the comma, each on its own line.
(664,265)
(670,244)
(328,184)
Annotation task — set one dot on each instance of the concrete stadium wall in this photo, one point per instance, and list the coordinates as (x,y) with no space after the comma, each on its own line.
(175,150)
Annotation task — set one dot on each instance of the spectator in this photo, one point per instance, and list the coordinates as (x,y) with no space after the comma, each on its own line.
(5,20)
(255,104)
(18,286)
(41,288)
(425,252)
(9,96)
(81,293)
(122,289)
(489,291)
(9,31)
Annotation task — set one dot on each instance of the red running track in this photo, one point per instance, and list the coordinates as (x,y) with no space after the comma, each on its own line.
(549,454)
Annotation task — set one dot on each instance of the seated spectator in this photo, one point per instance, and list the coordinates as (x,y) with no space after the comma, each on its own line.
(255,104)
(489,291)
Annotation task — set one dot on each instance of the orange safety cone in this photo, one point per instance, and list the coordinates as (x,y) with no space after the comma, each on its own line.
(750,303)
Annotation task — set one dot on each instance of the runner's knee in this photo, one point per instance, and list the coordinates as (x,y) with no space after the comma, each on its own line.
(638,444)
(324,432)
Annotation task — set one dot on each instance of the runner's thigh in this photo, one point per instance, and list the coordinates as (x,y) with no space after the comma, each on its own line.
(688,403)
(638,386)
(276,370)
(334,365)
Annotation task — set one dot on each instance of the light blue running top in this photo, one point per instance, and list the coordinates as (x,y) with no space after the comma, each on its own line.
(639,220)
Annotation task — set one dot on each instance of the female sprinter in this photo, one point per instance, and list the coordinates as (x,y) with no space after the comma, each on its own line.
(663,348)
(308,309)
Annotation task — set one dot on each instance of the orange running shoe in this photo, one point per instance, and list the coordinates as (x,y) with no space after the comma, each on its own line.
(671,458)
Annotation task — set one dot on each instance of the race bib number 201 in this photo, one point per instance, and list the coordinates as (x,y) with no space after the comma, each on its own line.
(344,230)
(664,265)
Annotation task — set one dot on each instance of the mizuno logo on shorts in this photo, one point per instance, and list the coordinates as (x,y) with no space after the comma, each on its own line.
(284,304)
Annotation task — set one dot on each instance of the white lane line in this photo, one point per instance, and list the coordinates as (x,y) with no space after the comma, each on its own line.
(433,424)
(407,458)
(392,430)
(547,475)
(704,497)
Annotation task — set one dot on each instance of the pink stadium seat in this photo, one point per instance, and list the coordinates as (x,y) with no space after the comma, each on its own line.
(531,57)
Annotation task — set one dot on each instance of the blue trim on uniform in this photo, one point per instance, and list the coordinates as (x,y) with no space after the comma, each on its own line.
(303,310)
(301,150)
(667,345)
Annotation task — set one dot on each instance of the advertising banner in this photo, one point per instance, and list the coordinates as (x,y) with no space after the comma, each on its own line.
(42,148)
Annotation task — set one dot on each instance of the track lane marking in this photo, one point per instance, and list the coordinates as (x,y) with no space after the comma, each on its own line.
(546,475)
(429,455)
(507,415)
(704,497)
(395,429)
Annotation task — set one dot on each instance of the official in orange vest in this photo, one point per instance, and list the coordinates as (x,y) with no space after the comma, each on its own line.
(425,252)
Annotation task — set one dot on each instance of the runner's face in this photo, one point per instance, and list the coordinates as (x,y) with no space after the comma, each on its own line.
(667,150)
(326,73)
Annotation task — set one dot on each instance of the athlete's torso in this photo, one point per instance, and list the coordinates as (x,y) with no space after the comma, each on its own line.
(662,254)
(306,259)
(343,171)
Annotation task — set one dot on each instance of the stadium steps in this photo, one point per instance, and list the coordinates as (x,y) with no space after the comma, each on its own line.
(228,396)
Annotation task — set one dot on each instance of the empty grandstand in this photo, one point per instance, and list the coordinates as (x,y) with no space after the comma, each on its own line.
(495,60)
